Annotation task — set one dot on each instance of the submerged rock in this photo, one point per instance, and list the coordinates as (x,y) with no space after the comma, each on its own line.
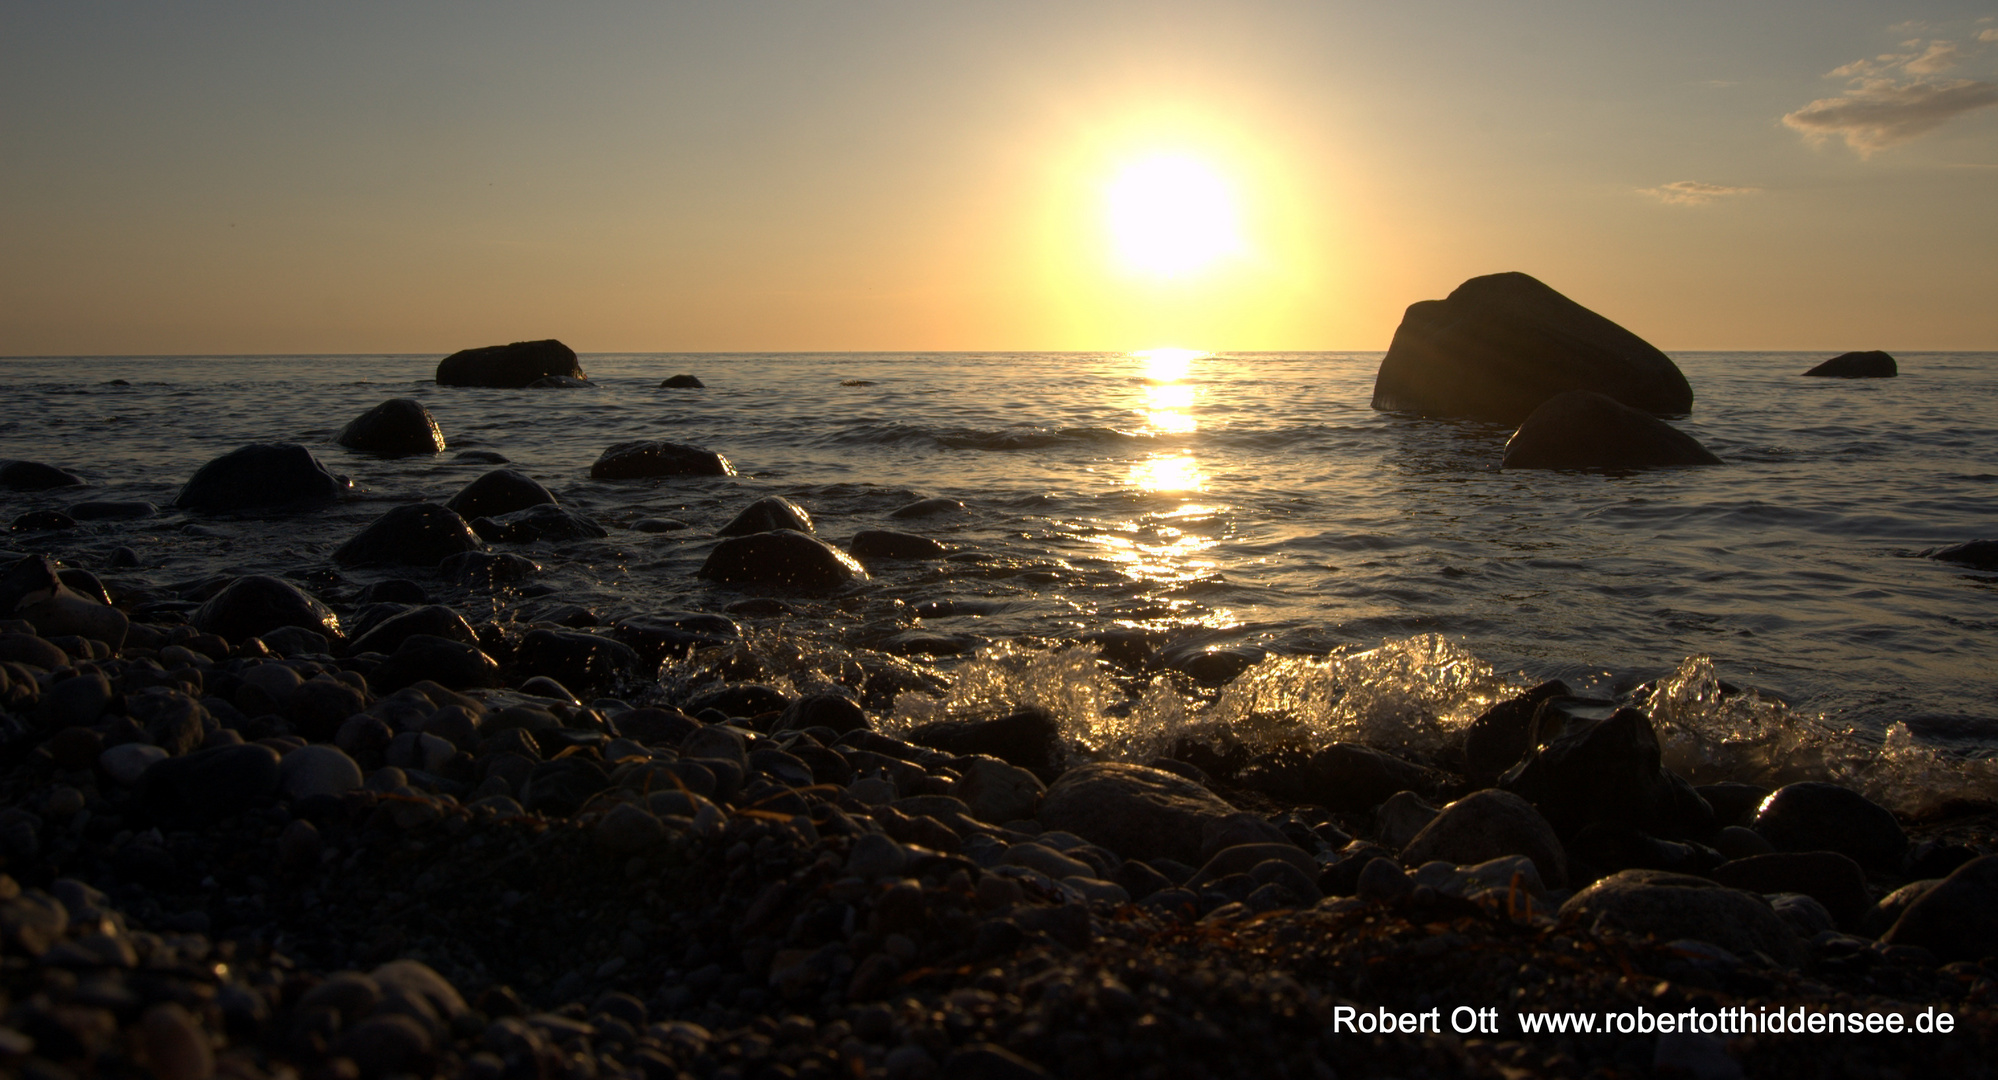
(433,619)
(927,508)
(501,491)
(684,382)
(783,558)
(767,514)
(419,534)
(512,366)
(1872,364)
(258,604)
(260,474)
(1029,738)
(888,544)
(579,660)
(396,426)
(1340,776)
(654,457)
(544,522)
(1582,429)
(1137,812)
(1499,345)
(1980,554)
(16,475)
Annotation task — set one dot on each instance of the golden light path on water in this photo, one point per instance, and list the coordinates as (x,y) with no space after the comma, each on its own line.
(1168,546)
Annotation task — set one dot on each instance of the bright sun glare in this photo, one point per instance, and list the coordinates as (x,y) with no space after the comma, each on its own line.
(1171,216)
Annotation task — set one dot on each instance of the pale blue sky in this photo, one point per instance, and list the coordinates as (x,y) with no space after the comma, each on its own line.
(255,177)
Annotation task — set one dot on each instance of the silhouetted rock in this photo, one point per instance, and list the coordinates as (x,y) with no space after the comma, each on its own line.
(653,457)
(686,382)
(834,712)
(888,544)
(1672,906)
(1137,812)
(517,365)
(257,604)
(210,784)
(1029,738)
(41,521)
(451,664)
(783,558)
(1734,803)
(1872,364)
(419,534)
(1955,918)
(1500,345)
(672,633)
(1816,816)
(1496,740)
(35,476)
(544,522)
(433,619)
(501,491)
(1607,770)
(1342,776)
(1826,876)
(1980,554)
(396,426)
(1606,847)
(260,474)
(1581,429)
(578,660)
(738,699)
(767,514)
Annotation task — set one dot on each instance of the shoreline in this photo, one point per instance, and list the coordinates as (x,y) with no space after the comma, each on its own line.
(831,906)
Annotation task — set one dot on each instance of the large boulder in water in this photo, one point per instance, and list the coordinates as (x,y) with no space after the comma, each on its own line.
(501,491)
(396,426)
(1581,429)
(766,514)
(1500,345)
(260,474)
(782,557)
(1137,812)
(1872,364)
(656,457)
(35,476)
(420,534)
(520,364)
(255,605)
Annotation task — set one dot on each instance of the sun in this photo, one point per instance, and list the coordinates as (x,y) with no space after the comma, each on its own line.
(1170,216)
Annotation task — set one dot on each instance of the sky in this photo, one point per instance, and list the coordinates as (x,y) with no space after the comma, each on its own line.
(751,175)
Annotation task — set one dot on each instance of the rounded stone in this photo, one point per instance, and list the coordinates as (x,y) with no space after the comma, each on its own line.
(397,426)
(1816,816)
(317,769)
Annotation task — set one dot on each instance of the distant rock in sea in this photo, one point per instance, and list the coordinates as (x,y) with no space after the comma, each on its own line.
(1500,345)
(1857,365)
(684,382)
(1981,554)
(520,364)
(1585,430)
(35,476)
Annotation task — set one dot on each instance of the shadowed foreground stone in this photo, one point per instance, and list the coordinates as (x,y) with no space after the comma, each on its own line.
(784,558)
(767,514)
(1606,771)
(1872,364)
(1955,918)
(520,364)
(260,474)
(1671,906)
(1501,344)
(1137,812)
(1486,825)
(396,426)
(1581,429)
(1816,816)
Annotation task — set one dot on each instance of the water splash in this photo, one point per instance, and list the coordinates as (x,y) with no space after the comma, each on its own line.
(1708,735)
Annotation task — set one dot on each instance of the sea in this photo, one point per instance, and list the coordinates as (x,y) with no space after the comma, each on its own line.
(1360,574)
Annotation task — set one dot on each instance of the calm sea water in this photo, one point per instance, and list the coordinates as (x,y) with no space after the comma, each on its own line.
(1250,499)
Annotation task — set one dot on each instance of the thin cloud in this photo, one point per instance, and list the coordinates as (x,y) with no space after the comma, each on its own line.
(1894,97)
(1693,192)
(1988,35)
